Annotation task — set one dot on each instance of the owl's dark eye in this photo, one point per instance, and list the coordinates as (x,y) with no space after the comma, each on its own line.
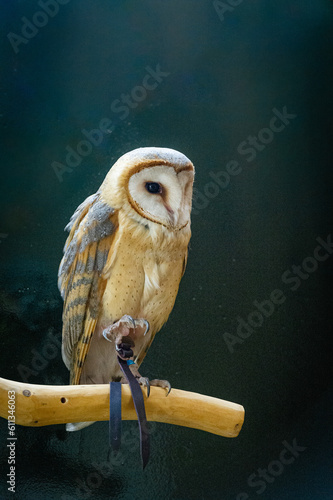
(153,187)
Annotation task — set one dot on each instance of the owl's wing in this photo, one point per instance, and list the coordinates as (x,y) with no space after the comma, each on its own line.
(92,229)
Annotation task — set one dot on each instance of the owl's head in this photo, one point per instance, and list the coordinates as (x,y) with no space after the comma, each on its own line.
(152,184)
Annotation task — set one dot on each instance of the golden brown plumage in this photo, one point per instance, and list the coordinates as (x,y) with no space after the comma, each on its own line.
(125,254)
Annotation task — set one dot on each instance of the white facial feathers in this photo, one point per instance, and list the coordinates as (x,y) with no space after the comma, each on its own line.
(158,192)
(151,184)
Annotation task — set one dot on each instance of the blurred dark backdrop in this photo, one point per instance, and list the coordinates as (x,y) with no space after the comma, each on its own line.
(228,69)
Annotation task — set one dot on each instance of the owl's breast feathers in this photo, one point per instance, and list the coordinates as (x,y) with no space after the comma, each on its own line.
(114,265)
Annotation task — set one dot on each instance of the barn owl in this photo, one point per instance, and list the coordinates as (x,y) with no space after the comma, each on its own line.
(123,261)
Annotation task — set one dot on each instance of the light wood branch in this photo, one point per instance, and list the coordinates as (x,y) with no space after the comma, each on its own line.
(39,405)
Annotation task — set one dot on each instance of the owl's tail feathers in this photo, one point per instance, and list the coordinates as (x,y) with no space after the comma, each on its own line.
(77,426)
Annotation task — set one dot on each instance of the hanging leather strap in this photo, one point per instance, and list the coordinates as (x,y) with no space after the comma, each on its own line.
(140,410)
(115,416)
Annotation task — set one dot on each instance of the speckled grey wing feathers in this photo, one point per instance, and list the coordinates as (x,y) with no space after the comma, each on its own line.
(79,271)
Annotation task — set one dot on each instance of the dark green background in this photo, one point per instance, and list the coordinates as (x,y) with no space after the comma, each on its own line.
(226,76)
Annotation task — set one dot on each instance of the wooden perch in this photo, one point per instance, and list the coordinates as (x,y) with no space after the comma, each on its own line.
(38,405)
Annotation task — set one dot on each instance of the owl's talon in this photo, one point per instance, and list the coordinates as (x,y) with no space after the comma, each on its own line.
(105,334)
(145,382)
(130,319)
(143,323)
(124,327)
(165,384)
(119,329)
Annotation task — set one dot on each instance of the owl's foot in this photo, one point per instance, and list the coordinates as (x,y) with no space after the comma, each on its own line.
(144,381)
(124,327)
(165,384)
(119,329)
